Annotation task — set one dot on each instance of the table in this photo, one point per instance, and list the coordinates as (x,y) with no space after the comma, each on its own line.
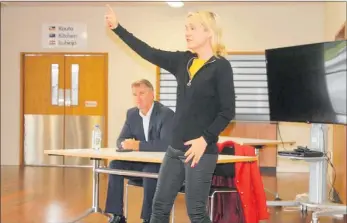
(254,142)
(110,153)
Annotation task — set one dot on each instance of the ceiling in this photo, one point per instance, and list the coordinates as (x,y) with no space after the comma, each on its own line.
(103,3)
(94,3)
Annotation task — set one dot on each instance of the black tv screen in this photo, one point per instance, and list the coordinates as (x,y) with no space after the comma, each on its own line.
(307,83)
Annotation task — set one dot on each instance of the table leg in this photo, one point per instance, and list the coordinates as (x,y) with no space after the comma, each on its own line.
(317,200)
(277,197)
(84,215)
(95,196)
(283,203)
(316,187)
(341,210)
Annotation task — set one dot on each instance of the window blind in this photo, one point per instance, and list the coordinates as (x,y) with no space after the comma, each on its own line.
(250,81)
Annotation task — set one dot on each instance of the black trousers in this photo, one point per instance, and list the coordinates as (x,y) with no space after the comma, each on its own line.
(115,193)
(174,171)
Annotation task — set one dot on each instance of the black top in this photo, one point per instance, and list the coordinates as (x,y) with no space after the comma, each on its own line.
(205,105)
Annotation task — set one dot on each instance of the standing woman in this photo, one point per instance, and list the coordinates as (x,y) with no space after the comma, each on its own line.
(205,105)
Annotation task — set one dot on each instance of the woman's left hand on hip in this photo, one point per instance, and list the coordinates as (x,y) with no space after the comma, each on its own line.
(196,150)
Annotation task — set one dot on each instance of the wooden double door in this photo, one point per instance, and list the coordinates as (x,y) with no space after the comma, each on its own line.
(63,96)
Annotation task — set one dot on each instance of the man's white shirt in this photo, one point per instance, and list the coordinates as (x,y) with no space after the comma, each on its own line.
(145,121)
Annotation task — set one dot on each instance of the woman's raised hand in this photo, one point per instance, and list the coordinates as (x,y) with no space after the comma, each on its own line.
(111,18)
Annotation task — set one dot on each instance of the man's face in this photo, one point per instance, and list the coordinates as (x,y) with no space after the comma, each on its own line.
(143,96)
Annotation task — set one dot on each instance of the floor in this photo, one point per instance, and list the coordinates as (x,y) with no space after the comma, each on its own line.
(57,195)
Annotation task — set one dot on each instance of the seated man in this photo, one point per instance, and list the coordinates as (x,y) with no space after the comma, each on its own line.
(147,128)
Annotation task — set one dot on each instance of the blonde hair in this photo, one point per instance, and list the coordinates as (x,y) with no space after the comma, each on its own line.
(211,22)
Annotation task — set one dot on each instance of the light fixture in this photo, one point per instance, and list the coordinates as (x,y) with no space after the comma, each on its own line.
(175,4)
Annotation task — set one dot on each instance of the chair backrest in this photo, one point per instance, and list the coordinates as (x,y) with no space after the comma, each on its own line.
(228,169)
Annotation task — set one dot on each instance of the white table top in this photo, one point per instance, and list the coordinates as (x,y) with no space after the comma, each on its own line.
(254,142)
(156,157)
(149,157)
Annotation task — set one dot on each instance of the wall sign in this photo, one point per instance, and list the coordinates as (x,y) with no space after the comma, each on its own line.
(90,104)
(69,35)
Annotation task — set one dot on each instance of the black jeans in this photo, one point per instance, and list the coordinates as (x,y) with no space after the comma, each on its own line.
(115,192)
(172,174)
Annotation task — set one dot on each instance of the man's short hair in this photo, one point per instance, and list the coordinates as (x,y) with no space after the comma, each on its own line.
(145,82)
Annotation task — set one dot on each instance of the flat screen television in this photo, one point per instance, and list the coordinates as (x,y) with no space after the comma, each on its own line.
(307,83)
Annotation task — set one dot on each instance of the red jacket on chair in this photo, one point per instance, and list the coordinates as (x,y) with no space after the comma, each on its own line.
(249,184)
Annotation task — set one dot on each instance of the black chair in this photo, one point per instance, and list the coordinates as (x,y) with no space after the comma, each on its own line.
(213,191)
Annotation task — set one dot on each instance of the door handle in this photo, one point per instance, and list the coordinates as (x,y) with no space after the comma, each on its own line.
(67,97)
(55,84)
(75,68)
(61,97)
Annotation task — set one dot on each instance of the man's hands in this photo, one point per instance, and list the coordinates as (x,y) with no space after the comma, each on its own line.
(131,144)
(197,149)
(111,18)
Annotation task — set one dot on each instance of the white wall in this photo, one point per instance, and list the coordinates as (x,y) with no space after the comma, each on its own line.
(248,27)
(335,17)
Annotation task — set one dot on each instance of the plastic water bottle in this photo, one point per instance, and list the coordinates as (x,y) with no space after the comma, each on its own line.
(96,137)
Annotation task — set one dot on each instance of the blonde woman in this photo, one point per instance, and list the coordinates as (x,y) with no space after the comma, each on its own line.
(205,106)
